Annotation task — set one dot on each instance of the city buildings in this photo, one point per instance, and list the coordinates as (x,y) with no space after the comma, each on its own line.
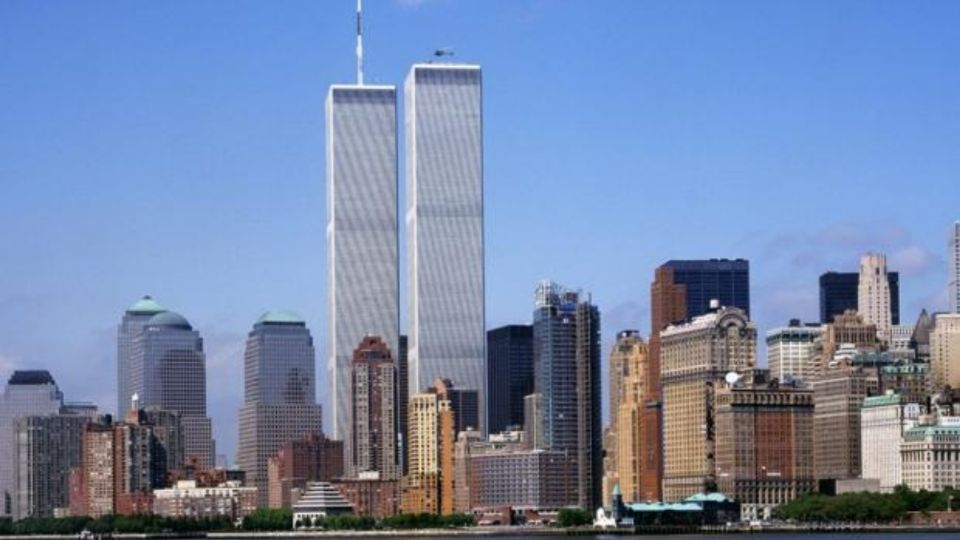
(945,351)
(873,294)
(839,292)
(374,434)
(695,358)
(764,447)
(45,449)
(130,327)
(279,393)
(792,350)
(953,264)
(187,500)
(313,458)
(464,402)
(444,217)
(533,421)
(848,329)
(566,361)
(168,372)
(930,457)
(883,421)
(361,234)
(370,495)
(513,476)
(724,280)
(838,396)
(428,486)
(628,383)
(509,374)
(28,393)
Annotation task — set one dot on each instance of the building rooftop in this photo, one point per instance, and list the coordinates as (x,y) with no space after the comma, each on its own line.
(145,306)
(881,401)
(31,377)
(170,319)
(281,316)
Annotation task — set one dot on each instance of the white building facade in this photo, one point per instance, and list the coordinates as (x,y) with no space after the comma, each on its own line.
(873,294)
(931,457)
(883,421)
(792,351)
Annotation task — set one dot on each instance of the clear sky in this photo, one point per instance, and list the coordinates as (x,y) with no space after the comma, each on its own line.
(176,148)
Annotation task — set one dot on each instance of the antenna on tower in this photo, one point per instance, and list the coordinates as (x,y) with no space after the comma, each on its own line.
(360,42)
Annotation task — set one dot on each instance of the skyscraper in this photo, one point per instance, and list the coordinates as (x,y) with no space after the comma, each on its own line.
(279,392)
(46,448)
(28,393)
(628,372)
(695,357)
(428,486)
(168,371)
(945,351)
(873,294)
(374,434)
(953,256)
(792,350)
(362,275)
(566,360)
(445,227)
(839,291)
(724,280)
(130,327)
(509,374)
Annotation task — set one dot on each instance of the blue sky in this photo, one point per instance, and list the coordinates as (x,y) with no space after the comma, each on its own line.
(176,148)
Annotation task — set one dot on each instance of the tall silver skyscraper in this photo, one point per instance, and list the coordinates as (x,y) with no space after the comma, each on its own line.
(130,327)
(168,371)
(27,393)
(953,254)
(280,403)
(362,276)
(444,158)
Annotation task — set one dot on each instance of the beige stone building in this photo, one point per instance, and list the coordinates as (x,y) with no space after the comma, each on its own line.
(628,364)
(695,357)
(945,351)
(846,329)
(429,484)
(930,457)
(873,294)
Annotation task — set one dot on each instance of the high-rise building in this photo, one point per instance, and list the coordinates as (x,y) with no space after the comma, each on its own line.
(628,383)
(566,363)
(403,393)
(374,444)
(428,486)
(444,217)
(838,395)
(168,372)
(509,374)
(533,421)
(45,449)
(724,280)
(953,256)
(28,393)
(792,350)
(883,421)
(873,294)
(362,265)
(848,329)
(279,392)
(839,292)
(130,327)
(945,351)
(463,401)
(764,443)
(694,358)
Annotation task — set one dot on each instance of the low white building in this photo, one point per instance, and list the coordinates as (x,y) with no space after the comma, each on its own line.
(930,456)
(319,500)
(187,500)
(883,421)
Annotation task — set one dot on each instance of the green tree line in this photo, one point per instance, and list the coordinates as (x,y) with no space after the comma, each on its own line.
(864,507)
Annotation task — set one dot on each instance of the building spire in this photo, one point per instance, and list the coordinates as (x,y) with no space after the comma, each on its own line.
(360,42)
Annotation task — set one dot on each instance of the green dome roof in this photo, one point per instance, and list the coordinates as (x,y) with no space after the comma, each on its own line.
(280,316)
(145,306)
(170,319)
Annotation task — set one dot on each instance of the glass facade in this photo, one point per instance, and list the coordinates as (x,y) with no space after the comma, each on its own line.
(444,126)
(362,274)
(715,279)
(509,374)
(839,291)
(130,327)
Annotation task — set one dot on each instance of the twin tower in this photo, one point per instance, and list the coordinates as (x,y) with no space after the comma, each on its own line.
(444,229)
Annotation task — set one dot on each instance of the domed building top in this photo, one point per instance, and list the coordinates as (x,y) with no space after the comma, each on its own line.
(280,316)
(170,319)
(145,306)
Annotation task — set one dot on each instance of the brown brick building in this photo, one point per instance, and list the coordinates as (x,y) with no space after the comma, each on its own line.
(371,496)
(314,458)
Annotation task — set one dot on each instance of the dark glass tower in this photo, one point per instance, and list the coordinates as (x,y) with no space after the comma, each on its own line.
(838,293)
(509,374)
(725,280)
(566,363)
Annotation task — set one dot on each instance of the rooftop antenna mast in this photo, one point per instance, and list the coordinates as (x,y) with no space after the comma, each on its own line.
(360,42)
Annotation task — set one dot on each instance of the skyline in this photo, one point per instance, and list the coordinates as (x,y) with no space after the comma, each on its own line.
(226,149)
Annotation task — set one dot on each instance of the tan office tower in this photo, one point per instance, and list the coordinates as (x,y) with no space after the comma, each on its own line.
(873,294)
(838,395)
(428,486)
(846,329)
(695,357)
(628,365)
(764,443)
(945,351)
(374,414)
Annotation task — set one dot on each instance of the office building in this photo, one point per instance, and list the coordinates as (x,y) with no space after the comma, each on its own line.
(764,448)
(188,500)
(168,372)
(874,296)
(428,486)
(134,319)
(848,329)
(513,476)
(28,393)
(370,495)
(909,380)
(839,292)
(403,389)
(929,457)
(792,351)
(953,265)
(724,280)
(279,393)
(374,444)
(463,401)
(838,395)
(533,422)
(45,449)
(313,458)
(509,374)
(695,358)
(883,421)
(444,158)
(945,351)
(628,371)
(362,260)
(566,363)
